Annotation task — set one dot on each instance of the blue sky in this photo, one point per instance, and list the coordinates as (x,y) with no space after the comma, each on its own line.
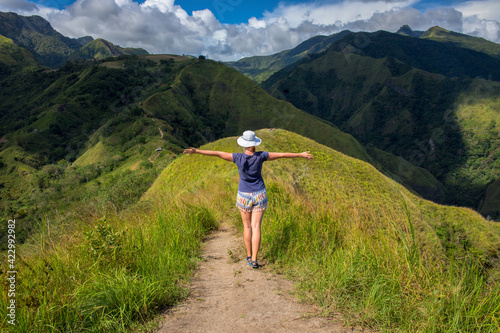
(231,29)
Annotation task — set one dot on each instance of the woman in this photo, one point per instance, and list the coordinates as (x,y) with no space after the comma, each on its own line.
(252,197)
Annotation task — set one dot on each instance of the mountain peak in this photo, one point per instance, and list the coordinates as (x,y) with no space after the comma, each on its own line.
(101,48)
(34,33)
(405,30)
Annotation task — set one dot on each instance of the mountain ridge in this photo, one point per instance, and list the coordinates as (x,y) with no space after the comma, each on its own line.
(260,68)
(101,49)
(50,47)
(421,116)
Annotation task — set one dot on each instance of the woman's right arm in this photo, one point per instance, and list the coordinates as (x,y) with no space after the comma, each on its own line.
(275,156)
(221,154)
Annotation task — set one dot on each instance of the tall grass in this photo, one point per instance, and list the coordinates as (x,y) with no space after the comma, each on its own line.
(378,279)
(354,241)
(112,274)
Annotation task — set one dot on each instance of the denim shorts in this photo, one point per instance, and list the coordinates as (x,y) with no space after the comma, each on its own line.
(252,202)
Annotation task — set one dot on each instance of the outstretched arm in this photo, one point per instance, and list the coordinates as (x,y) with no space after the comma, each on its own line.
(275,156)
(221,154)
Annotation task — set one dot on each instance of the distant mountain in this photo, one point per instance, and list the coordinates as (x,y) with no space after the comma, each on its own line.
(84,40)
(259,68)
(402,95)
(465,41)
(405,30)
(51,48)
(422,53)
(101,48)
(36,35)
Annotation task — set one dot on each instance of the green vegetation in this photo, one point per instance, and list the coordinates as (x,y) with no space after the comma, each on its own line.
(14,58)
(101,49)
(381,255)
(260,68)
(36,35)
(79,147)
(445,125)
(356,241)
(88,120)
(52,49)
(109,273)
(465,41)
(413,178)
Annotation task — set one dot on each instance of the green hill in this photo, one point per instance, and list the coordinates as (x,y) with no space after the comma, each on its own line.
(431,120)
(238,104)
(422,53)
(454,55)
(259,68)
(208,101)
(465,41)
(101,49)
(36,35)
(13,57)
(352,239)
(85,121)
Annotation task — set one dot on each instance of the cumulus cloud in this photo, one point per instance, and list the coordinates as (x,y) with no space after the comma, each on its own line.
(161,26)
(483,9)
(17,6)
(325,13)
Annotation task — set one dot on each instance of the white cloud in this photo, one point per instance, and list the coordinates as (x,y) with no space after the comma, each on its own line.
(17,6)
(328,13)
(161,26)
(484,9)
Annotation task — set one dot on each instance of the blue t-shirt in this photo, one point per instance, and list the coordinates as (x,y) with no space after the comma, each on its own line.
(250,168)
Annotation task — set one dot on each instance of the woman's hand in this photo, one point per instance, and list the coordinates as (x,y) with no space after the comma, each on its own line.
(306,155)
(190,151)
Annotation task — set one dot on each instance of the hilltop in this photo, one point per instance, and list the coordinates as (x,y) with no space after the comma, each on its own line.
(461,40)
(35,34)
(101,49)
(364,238)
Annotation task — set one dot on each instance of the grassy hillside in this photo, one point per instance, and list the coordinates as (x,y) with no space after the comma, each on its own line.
(353,240)
(430,120)
(85,121)
(13,57)
(35,34)
(101,49)
(453,54)
(465,41)
(208,101)
(260,68)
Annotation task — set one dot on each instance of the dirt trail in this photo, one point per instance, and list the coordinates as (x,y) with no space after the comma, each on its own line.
(229,296)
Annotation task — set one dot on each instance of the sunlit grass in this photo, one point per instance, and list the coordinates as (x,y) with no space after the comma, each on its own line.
(355,242)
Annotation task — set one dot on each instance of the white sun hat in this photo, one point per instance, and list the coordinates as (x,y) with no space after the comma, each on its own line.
(248,139)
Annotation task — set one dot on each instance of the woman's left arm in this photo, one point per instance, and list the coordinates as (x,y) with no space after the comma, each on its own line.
(275,156)
(221,154)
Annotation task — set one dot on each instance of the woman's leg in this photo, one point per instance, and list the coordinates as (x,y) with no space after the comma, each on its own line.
(247,230)
(256,220)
